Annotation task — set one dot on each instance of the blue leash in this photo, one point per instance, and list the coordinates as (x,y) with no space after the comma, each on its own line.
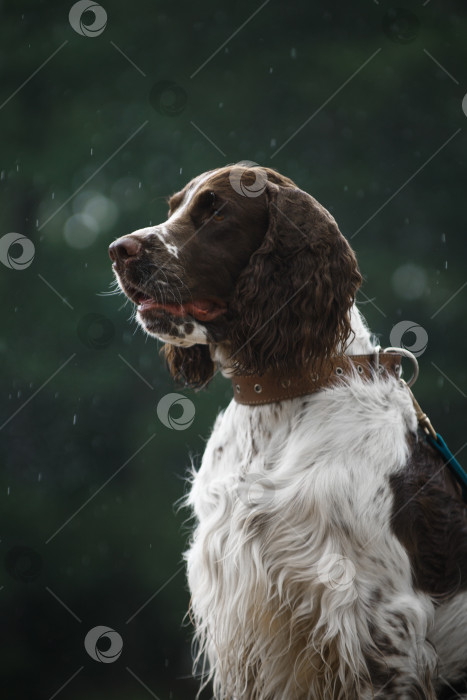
(435,440)
(432,437)
(458,471)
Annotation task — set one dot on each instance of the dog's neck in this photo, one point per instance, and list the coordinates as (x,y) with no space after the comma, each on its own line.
(360,343)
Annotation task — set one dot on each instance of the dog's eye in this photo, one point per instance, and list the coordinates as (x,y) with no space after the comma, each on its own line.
(208,207)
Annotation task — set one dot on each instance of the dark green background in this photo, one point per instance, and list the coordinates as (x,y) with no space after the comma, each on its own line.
(369,136)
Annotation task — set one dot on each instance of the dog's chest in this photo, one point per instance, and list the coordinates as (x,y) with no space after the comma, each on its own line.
(330,453)
(293,505)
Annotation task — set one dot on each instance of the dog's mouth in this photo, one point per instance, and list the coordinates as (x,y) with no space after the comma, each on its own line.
(200,309)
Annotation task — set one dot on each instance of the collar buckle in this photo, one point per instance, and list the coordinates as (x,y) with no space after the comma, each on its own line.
(406,353)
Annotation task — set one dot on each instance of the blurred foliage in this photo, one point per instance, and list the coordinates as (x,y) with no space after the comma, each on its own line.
(370,97)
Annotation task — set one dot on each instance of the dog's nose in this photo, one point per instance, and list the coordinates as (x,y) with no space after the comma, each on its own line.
(124,248)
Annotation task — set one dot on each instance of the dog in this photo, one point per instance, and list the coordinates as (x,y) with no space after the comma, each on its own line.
(329,555)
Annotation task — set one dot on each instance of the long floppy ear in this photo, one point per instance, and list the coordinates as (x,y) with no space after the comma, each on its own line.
(290,309)
(191,366)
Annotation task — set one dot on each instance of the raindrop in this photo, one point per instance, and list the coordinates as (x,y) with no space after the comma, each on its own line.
(273,143)
(293,53)
(181,170)
(443,238)
(2,175)
(39,477)
(92,151)
(8,491)
(53,195)
(140,185)
(127,193)
(270,70)
(446,265)
(75,418)
(221,104)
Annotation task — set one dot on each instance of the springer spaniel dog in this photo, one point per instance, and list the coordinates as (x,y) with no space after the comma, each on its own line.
(329,556)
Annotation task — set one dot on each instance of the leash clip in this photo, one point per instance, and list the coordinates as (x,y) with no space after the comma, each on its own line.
(423,420)
(406,353)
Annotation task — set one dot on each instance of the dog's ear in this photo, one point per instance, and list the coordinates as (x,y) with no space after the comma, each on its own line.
(290,309)
(191,366)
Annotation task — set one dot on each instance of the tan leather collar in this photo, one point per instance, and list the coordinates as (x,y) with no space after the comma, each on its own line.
(256,390)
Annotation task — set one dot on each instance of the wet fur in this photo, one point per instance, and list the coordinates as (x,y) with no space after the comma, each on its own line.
(328,555)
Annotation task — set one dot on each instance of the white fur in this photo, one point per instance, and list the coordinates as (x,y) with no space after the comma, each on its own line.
(197,336)
(162,233)
(450,622)
(292,542)
(196,184)
(172,249)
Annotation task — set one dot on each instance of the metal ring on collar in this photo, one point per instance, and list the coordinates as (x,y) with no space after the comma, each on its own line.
(412,358)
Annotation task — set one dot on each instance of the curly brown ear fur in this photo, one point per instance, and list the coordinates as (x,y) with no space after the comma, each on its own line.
(190,366)
(290,309)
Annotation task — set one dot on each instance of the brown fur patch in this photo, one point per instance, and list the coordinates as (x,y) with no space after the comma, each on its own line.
(430,520)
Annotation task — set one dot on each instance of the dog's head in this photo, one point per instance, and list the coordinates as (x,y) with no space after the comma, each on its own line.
(246,260)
